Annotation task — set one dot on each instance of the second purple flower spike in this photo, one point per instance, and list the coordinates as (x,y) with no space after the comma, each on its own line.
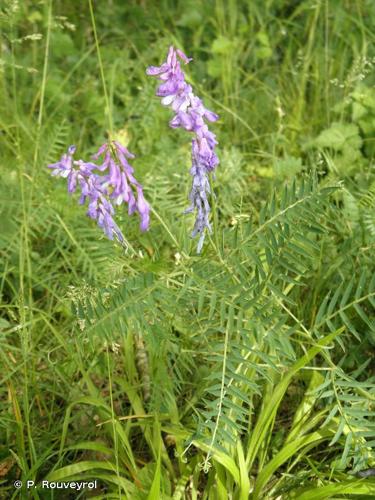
(115,186)
(191,115)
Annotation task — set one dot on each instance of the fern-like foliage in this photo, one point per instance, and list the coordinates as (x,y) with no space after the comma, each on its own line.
(230,324)
(56,141)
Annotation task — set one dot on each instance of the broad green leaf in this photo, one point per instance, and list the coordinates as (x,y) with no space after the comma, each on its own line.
(287,451)
(349,487)
(267,415)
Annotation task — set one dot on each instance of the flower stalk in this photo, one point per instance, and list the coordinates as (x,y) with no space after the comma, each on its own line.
(191,115)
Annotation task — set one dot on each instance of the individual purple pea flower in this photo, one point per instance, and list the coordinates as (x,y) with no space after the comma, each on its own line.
(191,115)
(111,182)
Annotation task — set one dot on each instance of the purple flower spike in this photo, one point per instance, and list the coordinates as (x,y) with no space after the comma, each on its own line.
(116,184)
(191,115)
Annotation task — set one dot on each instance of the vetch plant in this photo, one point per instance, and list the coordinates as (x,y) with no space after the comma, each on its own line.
(116,185)
(191,115)
(252,362)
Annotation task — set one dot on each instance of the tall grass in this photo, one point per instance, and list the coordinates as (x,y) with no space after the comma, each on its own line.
(246,372)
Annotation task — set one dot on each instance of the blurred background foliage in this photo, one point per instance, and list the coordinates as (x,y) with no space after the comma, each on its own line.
(293,83)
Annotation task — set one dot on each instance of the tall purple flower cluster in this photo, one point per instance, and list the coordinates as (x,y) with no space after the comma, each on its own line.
(110,183)
(191,115)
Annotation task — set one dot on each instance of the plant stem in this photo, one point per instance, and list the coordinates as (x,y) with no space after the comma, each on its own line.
(108,110)
(214,216)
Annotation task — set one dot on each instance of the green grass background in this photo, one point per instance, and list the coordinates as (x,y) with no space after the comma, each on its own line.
(246,372)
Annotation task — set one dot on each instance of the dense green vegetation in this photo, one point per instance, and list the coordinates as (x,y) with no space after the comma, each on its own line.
(243,372)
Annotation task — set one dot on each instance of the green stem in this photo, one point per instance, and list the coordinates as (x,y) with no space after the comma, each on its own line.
(113,418)
(108,110)
(162,222)
(205,465)
(214,216)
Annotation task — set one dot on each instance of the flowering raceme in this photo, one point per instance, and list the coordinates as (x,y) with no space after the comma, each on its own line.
(191,115)
(116,185)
